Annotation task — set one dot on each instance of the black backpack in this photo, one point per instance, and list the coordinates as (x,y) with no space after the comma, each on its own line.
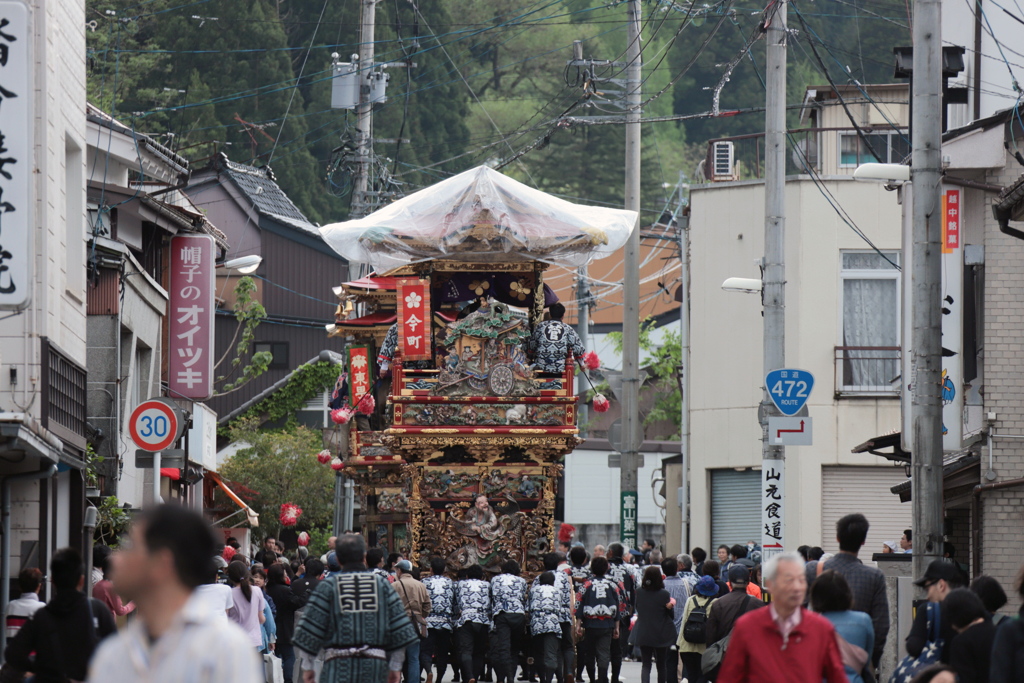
(695,629)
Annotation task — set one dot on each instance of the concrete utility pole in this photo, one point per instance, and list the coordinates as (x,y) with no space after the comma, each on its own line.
(631,436)
(684,368)
(364,113)
(583,330)
(773,277)
(926,344)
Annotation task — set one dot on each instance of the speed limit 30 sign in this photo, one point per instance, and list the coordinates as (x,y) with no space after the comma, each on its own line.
(156,424)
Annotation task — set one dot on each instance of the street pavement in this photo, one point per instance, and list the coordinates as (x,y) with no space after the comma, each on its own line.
(630,674)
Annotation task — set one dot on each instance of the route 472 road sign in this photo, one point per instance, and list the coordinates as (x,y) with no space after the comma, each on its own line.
(789,389)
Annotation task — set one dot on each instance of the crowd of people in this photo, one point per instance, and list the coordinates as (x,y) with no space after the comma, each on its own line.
(355,615)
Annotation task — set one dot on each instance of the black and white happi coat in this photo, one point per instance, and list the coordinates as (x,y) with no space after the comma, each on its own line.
(545,609)
(552,341)
(508,594)
(563,586)
(473,598)
(442,602)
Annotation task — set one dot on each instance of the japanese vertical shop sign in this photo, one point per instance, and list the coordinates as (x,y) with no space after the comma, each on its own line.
(193,265)
(627,519)
(16,253)
(414,330)
(951,221)
(360,373)
(773,501)
(952,319)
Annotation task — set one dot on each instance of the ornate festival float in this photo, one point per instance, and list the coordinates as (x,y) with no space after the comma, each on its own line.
(454,437)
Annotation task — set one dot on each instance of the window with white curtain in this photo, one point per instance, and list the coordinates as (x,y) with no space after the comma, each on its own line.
(868,359)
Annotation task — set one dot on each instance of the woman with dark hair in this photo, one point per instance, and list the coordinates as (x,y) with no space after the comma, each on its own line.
(971,649)
(992,596)
(105,593)
(247,611)
(1008,652)
(713,569)
(654,631)
(832,598)
(287,602)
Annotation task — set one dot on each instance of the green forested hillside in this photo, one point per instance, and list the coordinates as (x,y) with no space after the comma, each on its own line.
(490,79)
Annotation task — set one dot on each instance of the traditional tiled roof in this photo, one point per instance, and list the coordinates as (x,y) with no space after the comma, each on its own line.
(260,187)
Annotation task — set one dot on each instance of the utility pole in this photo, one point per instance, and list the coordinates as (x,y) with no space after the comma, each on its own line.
(364,113)
(583,331)
(773,293)
(926,343)
(631,292)
(684,368)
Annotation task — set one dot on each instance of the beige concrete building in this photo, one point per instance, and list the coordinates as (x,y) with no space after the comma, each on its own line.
(842,324)
(42,282)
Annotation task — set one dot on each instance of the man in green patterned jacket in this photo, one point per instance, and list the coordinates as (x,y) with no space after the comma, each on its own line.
(357,619)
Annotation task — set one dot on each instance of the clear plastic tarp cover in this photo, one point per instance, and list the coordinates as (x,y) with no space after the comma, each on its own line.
(481,215)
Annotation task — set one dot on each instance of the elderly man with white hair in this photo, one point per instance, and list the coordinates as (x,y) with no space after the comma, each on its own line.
(783,642)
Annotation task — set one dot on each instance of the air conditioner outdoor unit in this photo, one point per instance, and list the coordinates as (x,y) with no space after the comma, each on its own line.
(722,161)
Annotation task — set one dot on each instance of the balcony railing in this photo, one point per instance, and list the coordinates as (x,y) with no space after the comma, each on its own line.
(867,370)
(63,407)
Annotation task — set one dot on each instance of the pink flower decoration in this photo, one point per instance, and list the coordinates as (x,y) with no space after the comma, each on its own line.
(290,513)
(367,404)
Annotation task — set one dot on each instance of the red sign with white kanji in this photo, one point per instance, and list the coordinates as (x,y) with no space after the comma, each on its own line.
(360,372)
(951,212)
(414,330)
(193,269)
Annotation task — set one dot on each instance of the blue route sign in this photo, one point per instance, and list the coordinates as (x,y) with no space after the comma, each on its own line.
(789,389)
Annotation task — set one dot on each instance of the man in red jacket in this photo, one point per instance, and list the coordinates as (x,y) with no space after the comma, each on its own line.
(783,642)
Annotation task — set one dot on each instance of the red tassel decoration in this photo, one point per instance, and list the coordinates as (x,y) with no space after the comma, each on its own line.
(341,416)
(565,533)
(337,464)
(367,404)
(290,513)
(324,456)
(591,361)
(601,404)
(303,539)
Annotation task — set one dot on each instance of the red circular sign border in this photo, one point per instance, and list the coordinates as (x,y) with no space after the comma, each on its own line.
(171,433)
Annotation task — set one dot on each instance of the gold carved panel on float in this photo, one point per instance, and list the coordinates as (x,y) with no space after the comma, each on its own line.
(481,514)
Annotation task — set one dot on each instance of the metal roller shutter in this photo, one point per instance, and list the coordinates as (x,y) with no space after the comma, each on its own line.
(735,508)
(847,489)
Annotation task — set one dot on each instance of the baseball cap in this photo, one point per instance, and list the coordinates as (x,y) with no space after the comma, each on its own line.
(635,553)
(739,574)
(940,570)
(404,565)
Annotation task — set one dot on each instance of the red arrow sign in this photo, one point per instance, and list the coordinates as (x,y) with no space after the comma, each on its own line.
(779,433)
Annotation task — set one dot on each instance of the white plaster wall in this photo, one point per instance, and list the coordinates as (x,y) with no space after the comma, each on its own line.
(592,489)
(996,89)
(58,49)
(726,337)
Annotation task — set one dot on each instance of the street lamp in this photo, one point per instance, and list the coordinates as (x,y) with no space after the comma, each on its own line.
(243,264)
(892,173)
(745,285)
